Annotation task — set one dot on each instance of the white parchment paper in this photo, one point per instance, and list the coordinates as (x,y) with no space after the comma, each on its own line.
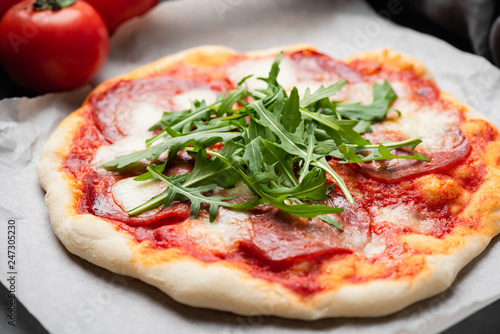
(69,295)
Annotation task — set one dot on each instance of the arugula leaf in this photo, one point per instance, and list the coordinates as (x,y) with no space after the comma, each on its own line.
(282,161)
(312,187)
(195,195)
(272,79)
(184,121)
(290,142)
(253,130)
(311,142)
(331,221)
(178,120)
(339,129)
(383,96)
(215,125)
(232,97)
(236,162)
(172,144)
(291,117)
(321,93)
(323,164)
(305,210)
(362,126)
(157,200)
(255,184)
(356,154)
(206,171)
(384,92)
(253,156)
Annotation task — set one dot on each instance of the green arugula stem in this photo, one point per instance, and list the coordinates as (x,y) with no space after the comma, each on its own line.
(405,143)
(318,119)
(153,203)
(323,164)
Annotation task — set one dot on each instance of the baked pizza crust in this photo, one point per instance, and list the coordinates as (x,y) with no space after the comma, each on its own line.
(224,287)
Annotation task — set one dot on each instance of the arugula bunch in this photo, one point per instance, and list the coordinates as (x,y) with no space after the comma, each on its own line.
(276,143)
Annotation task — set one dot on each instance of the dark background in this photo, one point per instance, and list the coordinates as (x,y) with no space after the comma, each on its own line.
(470,25)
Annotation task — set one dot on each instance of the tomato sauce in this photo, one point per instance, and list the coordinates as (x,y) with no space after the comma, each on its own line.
(281,249)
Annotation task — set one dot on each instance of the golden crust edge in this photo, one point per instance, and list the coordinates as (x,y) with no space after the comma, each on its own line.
(95,240)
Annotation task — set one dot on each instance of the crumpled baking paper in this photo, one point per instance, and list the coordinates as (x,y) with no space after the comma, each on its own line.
(69,295)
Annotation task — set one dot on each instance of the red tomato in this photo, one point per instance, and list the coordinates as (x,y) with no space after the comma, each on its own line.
(5,5)
(115,12)
(53,50)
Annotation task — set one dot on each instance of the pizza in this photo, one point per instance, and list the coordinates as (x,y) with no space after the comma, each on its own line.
(279,182)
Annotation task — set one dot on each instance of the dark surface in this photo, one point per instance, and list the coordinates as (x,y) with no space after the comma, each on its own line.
(420,22)
(9,88)
(470,25)
(25,323)
(485,321)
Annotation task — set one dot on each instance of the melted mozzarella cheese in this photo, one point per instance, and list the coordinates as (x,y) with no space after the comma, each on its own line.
(403,216)
(123,146)
(230,226)
(129,194)
(142,118)
(361,92)
(399,88)
(375,247)
(259,68)
(135,124)
(225,232)
(183,101)
(138,118)
(424,123)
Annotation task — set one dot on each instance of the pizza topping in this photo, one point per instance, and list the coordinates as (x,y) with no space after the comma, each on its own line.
(282,243)
(281,240)
(312,129)
(129,194)
(224,234)
(134,122)
(133,117)
(404,217)
(436,128)
(114,107)
(99,201)
(122,146)
(451,148)
(240,193)
(312,65)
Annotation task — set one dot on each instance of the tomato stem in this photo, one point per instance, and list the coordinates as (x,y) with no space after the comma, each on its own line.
(40,5)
